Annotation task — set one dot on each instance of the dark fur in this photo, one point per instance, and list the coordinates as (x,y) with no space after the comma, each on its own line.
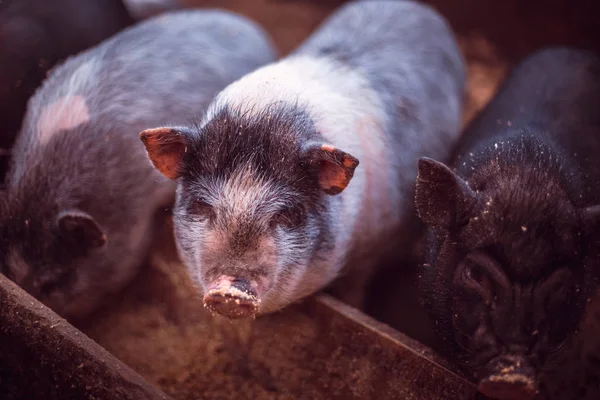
(270,142)
(37,34)
(528,168)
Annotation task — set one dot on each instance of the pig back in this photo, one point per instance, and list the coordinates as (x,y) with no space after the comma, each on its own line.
(409,56)
(165,70)
(553,98)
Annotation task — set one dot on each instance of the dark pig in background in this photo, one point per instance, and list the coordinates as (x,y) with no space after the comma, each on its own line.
(81,192)
(143,9)
(34,36)
(301,171)
(37,34)
(512,253)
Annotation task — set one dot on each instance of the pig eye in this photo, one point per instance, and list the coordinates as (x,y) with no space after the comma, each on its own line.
(473,274)
(473,278)
(289,218)
(201,208)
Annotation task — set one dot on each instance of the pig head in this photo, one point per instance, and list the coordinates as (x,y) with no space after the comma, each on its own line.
(253,207)
(508,266)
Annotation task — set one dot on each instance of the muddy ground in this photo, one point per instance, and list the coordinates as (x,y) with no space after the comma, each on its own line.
(158,325)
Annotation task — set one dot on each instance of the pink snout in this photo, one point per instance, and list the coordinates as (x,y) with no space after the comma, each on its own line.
(232,297)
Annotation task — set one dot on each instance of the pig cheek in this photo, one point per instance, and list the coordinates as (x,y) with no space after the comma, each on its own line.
(188,238)
(290,263)
(268,258)
(469,315)
(552,329)
(208,253)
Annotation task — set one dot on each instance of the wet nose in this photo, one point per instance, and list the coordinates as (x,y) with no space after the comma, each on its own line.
(509,378)
(232,297)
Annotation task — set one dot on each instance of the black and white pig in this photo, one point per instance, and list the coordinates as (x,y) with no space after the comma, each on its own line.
(512,252)
(80,191)
(272,204)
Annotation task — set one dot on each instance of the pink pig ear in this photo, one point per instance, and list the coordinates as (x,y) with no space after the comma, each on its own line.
(165,147)
(334,167)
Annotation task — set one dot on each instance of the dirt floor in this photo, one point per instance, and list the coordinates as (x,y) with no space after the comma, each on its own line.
(158,325)
(160,329)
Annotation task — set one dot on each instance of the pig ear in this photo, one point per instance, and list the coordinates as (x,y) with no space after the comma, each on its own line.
(165,147)
(80,229)
(334,168)
(442,198)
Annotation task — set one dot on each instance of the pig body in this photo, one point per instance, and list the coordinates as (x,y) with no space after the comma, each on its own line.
(272,204)
(34,36)
(81,192)
(512,252)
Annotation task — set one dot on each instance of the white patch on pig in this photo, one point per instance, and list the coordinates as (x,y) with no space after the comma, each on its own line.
(350,115)
(64,114)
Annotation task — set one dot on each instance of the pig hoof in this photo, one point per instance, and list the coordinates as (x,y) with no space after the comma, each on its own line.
(234,301)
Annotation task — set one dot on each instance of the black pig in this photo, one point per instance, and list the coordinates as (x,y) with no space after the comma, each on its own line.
(512,254)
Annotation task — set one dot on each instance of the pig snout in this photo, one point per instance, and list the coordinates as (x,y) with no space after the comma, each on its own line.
(232,297)
(509,377)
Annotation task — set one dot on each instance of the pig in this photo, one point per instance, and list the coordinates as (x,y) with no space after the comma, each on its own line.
(35,35)
(272,204)
(81,192)
(512,249)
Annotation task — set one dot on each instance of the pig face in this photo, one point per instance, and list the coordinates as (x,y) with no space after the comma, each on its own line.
(253,210)
(507,271)
(55,256)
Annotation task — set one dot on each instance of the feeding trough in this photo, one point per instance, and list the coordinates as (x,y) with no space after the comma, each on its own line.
(320,348)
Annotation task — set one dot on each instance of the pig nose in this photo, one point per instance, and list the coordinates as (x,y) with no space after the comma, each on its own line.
(232,297)
(509,377)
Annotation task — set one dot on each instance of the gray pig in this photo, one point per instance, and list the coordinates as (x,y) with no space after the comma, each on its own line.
(272,204)
(81,192)
(513,249)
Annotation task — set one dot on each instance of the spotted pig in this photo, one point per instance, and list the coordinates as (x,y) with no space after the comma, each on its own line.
(300,172)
